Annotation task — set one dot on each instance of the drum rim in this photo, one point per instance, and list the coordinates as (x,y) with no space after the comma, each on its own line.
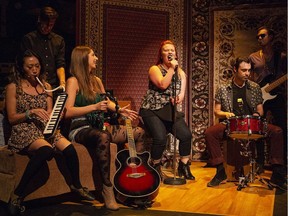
(246,117)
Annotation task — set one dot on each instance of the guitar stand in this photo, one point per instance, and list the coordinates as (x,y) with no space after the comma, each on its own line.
(253,173)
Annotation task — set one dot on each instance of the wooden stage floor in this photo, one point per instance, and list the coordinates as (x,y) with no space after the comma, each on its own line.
(225,199)
(194,197)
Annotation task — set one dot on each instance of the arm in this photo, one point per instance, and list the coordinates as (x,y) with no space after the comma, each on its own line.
(259,110)
(49,98)
(60,61)
(72,89)
(111,104)
(158,79)
(131,114)
(10,104)
(61,76)
(183,78)
(16,118)
(221,114)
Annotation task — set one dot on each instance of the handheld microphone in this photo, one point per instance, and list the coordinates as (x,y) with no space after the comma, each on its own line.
(170,58)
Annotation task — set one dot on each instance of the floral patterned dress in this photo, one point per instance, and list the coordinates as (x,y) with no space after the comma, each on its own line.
(25,133)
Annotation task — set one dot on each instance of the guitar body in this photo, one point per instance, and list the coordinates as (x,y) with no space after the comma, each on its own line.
(266,90)
(265,95)
(135,180)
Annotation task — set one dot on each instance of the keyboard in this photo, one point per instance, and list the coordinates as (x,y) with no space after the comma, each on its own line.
(54,120)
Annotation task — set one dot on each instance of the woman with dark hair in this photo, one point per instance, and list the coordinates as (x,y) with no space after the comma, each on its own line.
(157,108)
(86,107)
(28,107)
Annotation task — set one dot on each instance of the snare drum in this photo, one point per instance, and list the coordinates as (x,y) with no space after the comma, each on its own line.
(246,127)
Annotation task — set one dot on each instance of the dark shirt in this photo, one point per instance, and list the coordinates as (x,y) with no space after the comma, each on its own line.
(51,49)
(268,71)
(253,96)
(240,108)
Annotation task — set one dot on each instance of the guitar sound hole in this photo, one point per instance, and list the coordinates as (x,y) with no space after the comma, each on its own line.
(134,161)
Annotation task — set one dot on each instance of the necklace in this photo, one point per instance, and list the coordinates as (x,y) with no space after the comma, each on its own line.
(239,85)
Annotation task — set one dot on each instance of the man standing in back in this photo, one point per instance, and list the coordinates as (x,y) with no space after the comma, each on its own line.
(49,45)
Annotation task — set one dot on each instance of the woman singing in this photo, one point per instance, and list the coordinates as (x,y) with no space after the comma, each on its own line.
(156,108)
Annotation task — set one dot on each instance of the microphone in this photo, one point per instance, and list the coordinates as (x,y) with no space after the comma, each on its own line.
(170,58)
(240,105)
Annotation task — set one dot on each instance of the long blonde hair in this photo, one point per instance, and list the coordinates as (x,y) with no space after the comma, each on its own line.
(79,68)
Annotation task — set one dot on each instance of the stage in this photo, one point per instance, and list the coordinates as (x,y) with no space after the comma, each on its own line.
(193,198)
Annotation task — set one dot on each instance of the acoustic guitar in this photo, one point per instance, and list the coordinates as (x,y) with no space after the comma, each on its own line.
(135,181)
(269,87)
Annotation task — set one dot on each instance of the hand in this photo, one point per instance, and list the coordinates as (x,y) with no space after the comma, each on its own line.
(102,105)
(179,99)
(131,114)
(256,114)
(41,113)
(63,87)
(62,114)
(229,115)
(174,63)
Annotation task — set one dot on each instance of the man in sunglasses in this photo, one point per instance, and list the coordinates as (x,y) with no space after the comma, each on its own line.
(269,68)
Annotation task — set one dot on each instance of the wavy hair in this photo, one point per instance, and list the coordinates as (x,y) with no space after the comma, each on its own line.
(79,68)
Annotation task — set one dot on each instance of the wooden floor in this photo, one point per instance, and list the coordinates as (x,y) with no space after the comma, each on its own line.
(196,197)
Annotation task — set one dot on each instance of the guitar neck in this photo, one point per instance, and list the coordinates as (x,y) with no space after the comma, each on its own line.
(276,83)
(131,141)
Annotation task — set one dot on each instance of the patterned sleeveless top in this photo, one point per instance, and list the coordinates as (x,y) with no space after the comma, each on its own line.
(157,98)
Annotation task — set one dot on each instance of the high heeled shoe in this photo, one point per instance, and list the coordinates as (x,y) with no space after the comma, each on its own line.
(184,170)
(109,198)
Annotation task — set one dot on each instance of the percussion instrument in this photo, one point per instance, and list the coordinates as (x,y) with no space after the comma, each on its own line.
(246,127)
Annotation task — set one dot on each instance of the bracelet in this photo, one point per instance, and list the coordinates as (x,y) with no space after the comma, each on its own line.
(117,108)
(27,115)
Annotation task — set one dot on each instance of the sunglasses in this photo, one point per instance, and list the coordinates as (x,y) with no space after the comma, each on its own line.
(261,36)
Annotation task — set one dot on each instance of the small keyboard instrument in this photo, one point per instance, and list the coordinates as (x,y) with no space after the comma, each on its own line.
(54,120)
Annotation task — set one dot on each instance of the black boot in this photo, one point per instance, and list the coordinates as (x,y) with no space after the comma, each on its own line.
(219,178)
(278,178)
(15,206)
(157,167)
(184,170)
